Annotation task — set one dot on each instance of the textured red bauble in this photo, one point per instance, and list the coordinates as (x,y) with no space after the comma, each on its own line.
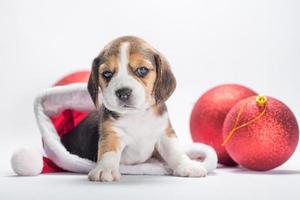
(209,113)
(265,143)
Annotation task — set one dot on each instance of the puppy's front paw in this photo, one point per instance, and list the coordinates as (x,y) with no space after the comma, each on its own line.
(104,174)
(190,168)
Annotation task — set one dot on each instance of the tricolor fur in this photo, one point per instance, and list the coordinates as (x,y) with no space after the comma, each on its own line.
(131,122)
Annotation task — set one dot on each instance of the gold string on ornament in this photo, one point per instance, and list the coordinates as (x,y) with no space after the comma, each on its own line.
(260,101)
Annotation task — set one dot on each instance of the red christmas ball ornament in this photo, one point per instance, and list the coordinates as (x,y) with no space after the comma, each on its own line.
(209,113)
(76,77)
(260,133)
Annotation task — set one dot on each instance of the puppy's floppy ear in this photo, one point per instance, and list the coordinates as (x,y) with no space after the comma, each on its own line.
(165,82)
(93,83)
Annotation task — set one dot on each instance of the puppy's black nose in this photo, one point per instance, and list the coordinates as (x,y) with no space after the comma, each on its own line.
(124,93)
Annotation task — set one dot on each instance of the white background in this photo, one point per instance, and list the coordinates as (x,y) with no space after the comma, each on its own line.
(208,42)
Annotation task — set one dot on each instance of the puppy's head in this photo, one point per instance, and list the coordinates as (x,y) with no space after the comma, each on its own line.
(132,76)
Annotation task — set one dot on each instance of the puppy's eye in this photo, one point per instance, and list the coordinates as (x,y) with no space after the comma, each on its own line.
(141,71)
(107,75)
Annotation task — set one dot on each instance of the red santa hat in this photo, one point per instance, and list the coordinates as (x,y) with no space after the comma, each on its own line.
(61,108)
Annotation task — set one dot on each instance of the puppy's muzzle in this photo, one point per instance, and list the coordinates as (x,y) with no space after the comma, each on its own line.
(123,94)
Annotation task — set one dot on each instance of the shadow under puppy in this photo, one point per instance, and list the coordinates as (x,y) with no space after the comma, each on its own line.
(132,124)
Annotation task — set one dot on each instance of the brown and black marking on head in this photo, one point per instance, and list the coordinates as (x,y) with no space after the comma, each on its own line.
(159,83)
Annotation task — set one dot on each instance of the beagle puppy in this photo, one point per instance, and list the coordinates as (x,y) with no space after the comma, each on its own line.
(131,124)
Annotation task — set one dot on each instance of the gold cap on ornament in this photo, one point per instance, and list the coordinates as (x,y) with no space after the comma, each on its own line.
(261,100)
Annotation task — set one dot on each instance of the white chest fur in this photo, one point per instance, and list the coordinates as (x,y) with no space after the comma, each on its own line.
(139,133)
